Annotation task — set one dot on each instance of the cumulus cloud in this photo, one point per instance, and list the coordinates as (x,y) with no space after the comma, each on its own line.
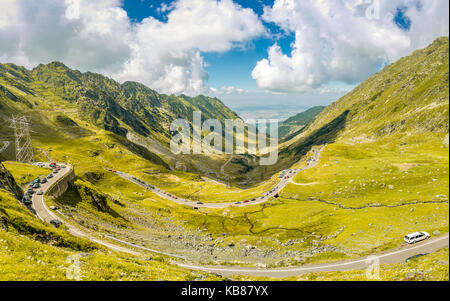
(40,32)
(168,54)
(227,90)
(345,41)
(99,36)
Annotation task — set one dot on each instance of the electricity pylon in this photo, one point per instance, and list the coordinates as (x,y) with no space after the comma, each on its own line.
(24,149)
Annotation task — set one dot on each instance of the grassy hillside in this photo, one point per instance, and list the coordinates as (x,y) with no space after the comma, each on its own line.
(293,125)
(7,182)
(409,96)
(37,251)
(67,104)
(106,103)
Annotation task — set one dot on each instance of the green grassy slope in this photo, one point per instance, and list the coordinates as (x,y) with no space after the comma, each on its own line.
(408,96)
(107,103)
(8,183)
(293,125)
(68,104)
(33,250)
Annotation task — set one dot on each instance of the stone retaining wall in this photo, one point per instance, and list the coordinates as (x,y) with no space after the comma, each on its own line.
(61,186)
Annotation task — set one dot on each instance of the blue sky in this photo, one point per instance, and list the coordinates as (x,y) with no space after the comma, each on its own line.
(231,68)
(234,67)
(271,62)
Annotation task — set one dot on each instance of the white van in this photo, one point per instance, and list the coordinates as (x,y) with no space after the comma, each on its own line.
(416,237)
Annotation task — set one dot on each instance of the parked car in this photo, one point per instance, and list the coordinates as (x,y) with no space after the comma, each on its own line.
(27,202)
(56,223)
(37,185)
(49,176)
(412,238)
(43,181)
(40,192)
(199,203)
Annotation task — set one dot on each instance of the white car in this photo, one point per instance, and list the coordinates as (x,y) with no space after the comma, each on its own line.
(416,237)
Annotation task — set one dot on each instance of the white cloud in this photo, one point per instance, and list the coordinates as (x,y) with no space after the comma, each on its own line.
(228,90)
(40,32)
(337,40)
(100,37)
(8,12)
(167,54)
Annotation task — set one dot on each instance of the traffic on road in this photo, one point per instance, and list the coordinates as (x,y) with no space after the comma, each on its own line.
(285,178)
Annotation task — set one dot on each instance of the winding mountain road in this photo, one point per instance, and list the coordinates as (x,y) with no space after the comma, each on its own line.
(259,200)
(393,256)
(47,215)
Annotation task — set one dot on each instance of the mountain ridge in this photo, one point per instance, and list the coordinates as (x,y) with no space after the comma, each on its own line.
(408,96)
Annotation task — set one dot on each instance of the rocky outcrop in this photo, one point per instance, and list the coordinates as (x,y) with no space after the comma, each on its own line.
(3,220)
(8,183)
(92,195)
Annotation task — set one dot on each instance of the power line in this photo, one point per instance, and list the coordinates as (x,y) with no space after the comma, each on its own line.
(24,149)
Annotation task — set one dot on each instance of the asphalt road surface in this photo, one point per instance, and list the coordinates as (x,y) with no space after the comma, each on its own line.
(395,256)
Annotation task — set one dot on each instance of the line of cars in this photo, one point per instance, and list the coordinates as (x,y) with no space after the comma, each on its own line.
(286,174)
(245,202)
(56,168)
(36,184)
(149,186)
